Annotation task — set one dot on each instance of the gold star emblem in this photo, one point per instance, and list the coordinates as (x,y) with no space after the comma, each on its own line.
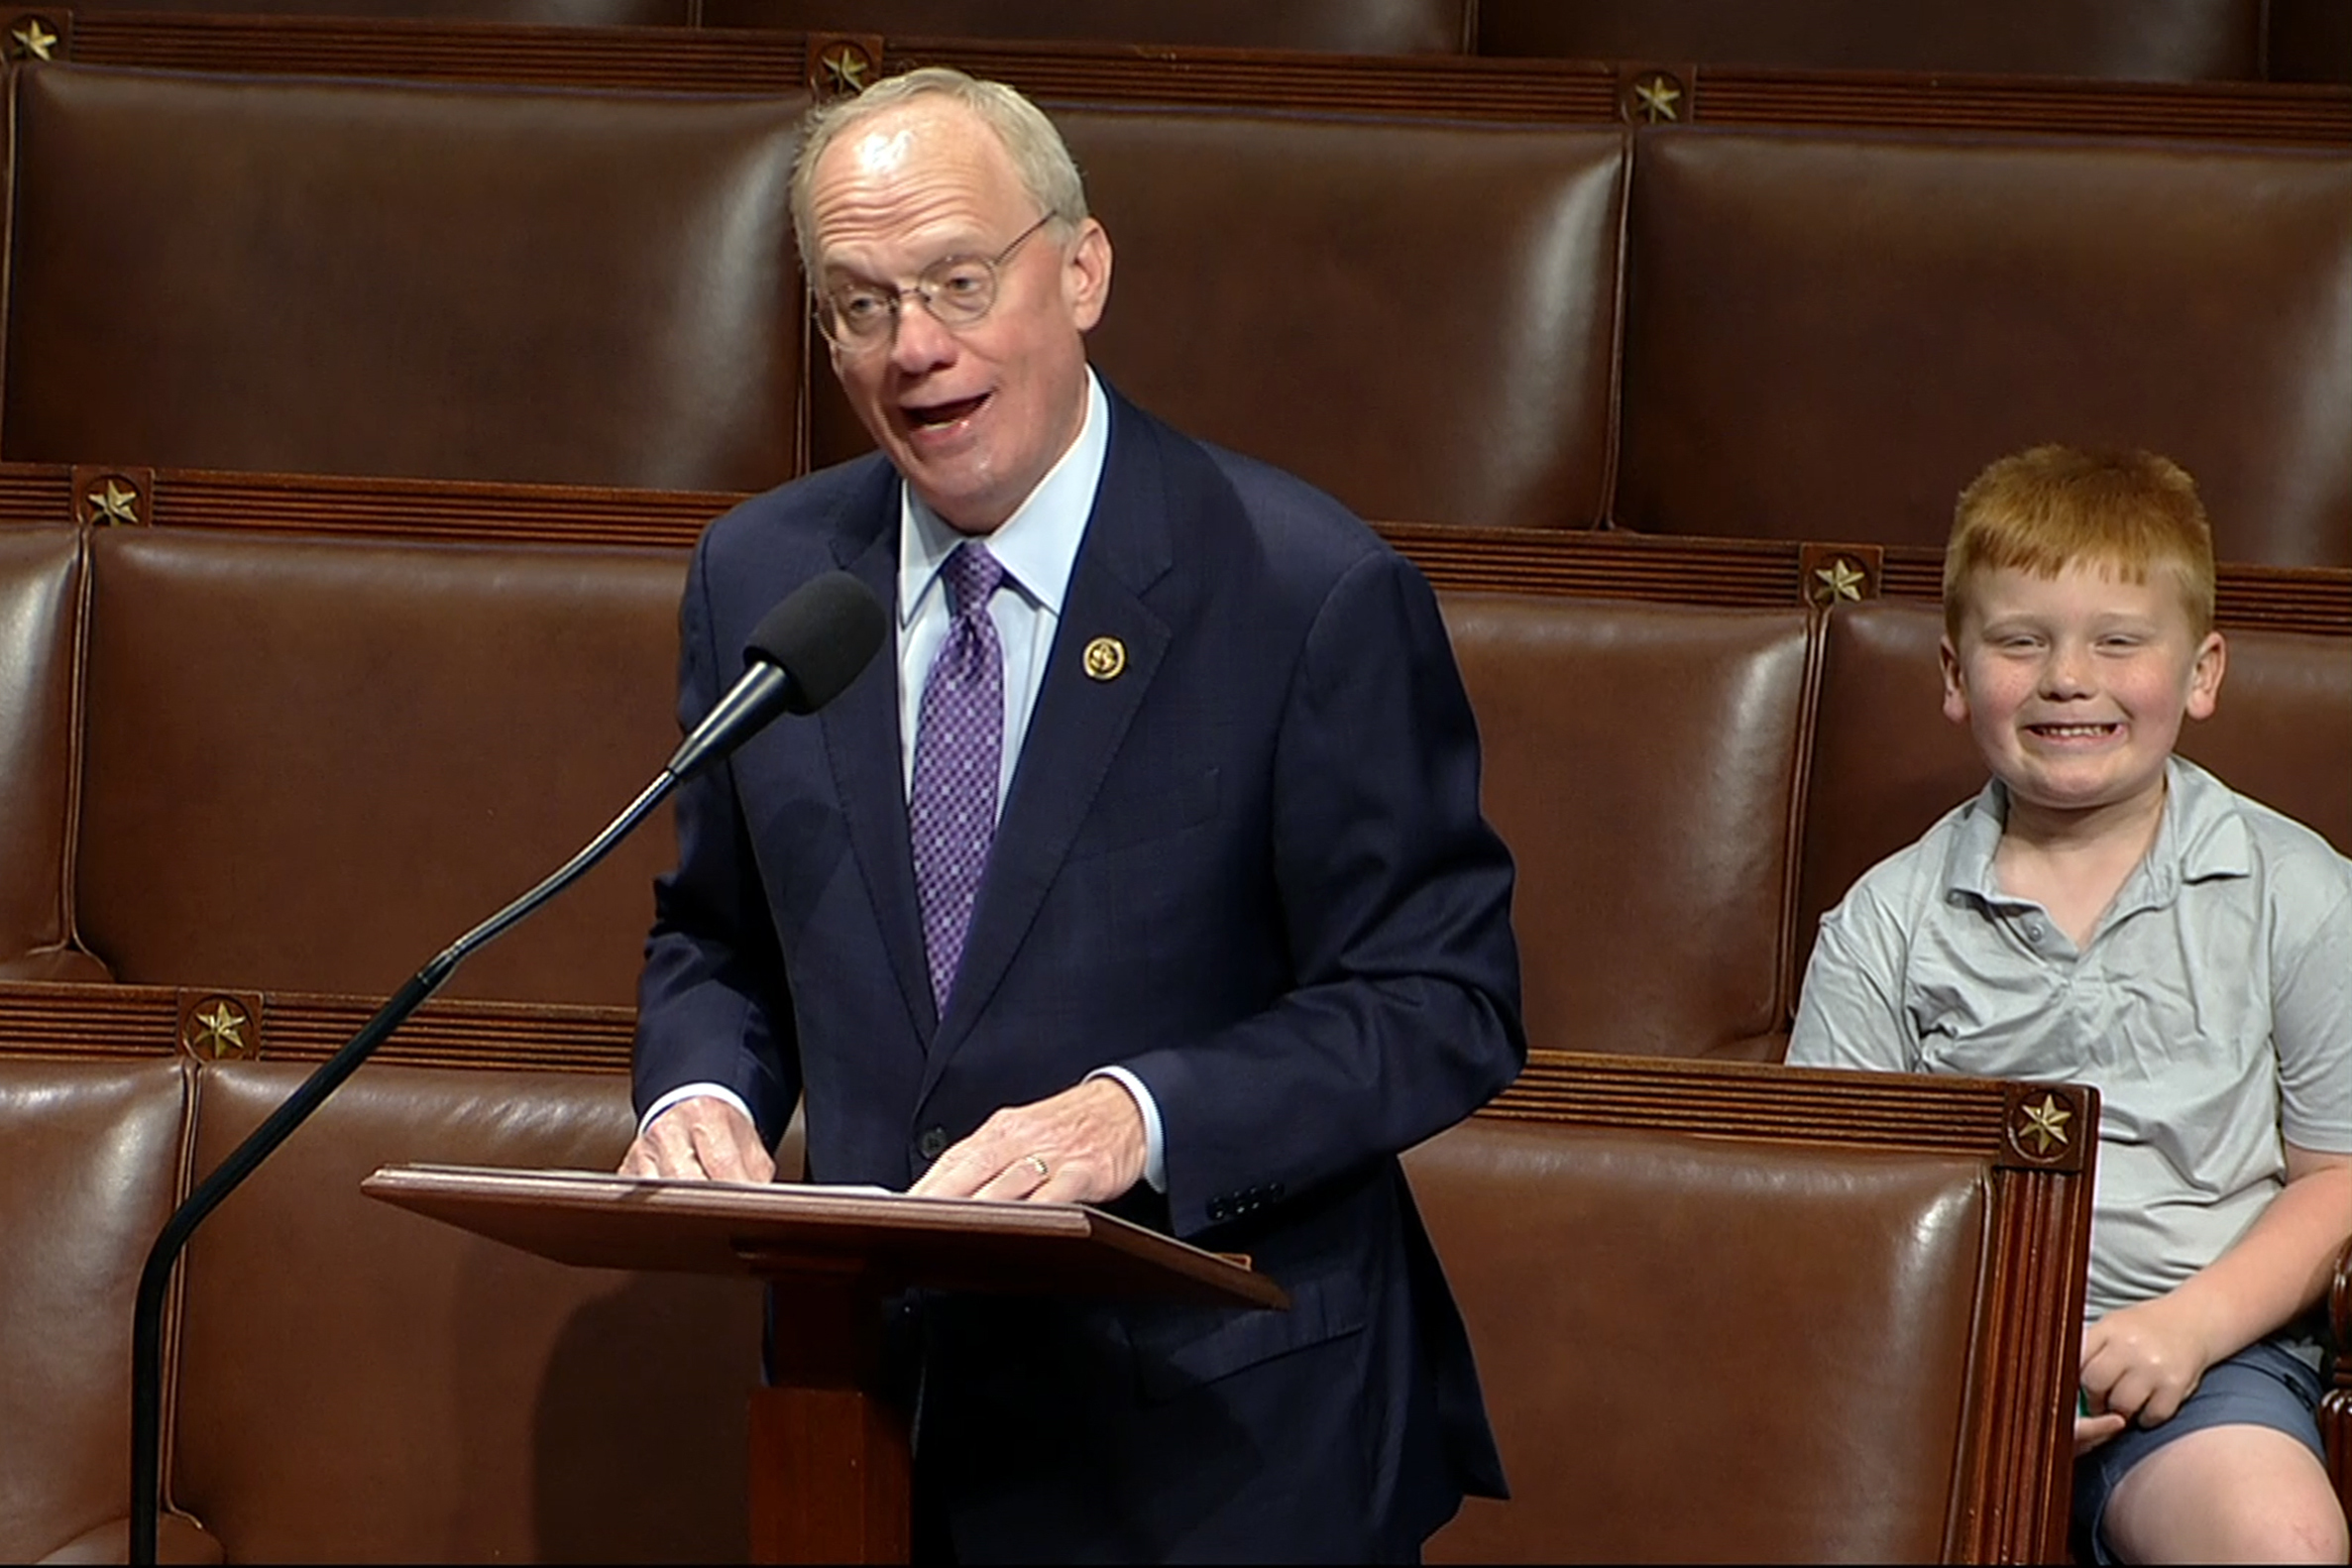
(1656,98)
(2045,1125)
(117,503)
(1838,580)
(33,40)
(1105,658)
(218,1028)
(844,68)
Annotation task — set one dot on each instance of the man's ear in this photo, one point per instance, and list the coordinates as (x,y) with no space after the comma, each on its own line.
(2204,676)
(1955,686)
(1087,276)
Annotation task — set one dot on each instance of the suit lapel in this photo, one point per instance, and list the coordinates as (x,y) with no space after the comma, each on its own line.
(1079,720)
(861,740)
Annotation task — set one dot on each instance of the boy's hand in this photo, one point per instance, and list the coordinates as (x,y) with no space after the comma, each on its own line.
(2140,1363)
(2093,1430)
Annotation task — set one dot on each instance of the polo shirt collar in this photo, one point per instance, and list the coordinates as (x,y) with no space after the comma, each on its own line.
(2200,836)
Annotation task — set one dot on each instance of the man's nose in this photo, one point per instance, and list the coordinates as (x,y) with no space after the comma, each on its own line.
(918,342)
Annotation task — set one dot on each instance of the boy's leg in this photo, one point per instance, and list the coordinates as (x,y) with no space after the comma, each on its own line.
(2238,1474)
(2226,1494)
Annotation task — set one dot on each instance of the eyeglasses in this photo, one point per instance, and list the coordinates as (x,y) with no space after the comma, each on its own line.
(958,290)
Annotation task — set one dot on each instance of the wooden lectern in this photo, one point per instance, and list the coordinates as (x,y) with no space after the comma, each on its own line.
(831,1469)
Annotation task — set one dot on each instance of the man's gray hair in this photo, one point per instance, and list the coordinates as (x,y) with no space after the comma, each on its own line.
(1040,158)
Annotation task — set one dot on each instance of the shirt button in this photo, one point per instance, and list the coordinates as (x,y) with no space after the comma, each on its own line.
(933,1143)
(2032,928)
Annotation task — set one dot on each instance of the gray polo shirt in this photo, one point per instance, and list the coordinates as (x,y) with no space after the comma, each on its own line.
(2212,1009)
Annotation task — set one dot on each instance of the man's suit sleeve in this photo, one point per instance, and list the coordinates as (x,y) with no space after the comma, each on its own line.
(712,1005)
(1396,901)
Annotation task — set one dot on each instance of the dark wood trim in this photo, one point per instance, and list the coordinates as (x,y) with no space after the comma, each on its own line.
(1609,563)
(1459,87)
(85,1019)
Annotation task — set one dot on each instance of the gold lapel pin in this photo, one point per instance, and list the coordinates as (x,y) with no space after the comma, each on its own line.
(1105,658)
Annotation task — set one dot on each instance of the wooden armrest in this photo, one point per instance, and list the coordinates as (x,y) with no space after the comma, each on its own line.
(2339,1316)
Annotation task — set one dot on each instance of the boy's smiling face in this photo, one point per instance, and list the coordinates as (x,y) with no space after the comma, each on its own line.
(2075,686)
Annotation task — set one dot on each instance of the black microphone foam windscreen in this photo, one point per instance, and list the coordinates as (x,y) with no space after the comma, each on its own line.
(821,635)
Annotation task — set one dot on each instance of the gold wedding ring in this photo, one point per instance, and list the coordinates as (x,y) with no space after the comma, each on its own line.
(1038,1164)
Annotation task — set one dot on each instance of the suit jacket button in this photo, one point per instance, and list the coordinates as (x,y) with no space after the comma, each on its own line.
(933,1143)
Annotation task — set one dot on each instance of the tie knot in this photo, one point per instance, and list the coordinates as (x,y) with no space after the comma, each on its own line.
(972,575)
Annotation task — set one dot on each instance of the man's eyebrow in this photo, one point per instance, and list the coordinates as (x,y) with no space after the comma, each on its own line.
(965,252)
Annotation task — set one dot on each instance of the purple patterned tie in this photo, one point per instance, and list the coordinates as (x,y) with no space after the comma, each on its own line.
(958,744)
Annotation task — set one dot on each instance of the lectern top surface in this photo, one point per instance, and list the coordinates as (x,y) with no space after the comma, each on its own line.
(890,1241)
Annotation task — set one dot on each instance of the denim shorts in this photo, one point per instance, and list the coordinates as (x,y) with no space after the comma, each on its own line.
(2265,1385)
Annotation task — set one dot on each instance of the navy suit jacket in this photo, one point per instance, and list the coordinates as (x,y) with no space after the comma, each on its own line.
(1251,867)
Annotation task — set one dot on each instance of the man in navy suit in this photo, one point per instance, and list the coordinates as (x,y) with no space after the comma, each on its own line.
(1146,870)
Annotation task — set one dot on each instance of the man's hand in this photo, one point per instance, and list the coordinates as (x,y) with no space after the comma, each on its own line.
(2142,1362)
(1084,1145)
(701,1138)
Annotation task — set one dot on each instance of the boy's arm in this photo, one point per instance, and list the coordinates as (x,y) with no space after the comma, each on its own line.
(1849,1010)
(2147,1359)
(2143,1361)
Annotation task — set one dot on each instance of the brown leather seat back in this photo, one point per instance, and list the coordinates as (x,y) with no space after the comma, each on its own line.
(2310,41)
(361,1384)
(1827,336)
(354,277)
(1710,1351)
(1608,728)
(2283,732)
(2127,40)
(1416,317)
(312,764)
(93,1167)
(1887,762)
(40,614)
(1347,27)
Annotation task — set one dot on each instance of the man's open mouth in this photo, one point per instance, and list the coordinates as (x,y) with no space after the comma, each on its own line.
(937,414)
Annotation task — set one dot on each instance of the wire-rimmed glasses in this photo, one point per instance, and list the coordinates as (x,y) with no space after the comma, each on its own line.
(958,290)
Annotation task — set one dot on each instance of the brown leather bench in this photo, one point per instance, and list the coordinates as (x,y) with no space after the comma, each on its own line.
(1731,1313)
(1827,335)
(40,608)
(306,762)
(311,765)
(357,1383)
(373,277)
(1605,724)
(1783,335)
(94,1150)
(1347,27)
(2127,40)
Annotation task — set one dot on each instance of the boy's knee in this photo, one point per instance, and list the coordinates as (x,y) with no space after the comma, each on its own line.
(2316,1535)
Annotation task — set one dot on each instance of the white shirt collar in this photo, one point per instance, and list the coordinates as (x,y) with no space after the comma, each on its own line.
(1037,544)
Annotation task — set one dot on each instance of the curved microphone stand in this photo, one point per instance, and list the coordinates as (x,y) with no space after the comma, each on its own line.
(154,1281)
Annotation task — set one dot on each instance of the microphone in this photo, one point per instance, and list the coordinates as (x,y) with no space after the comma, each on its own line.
(801,656)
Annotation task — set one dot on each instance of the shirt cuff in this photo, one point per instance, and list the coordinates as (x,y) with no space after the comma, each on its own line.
(687,1091)
(1155,1139)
